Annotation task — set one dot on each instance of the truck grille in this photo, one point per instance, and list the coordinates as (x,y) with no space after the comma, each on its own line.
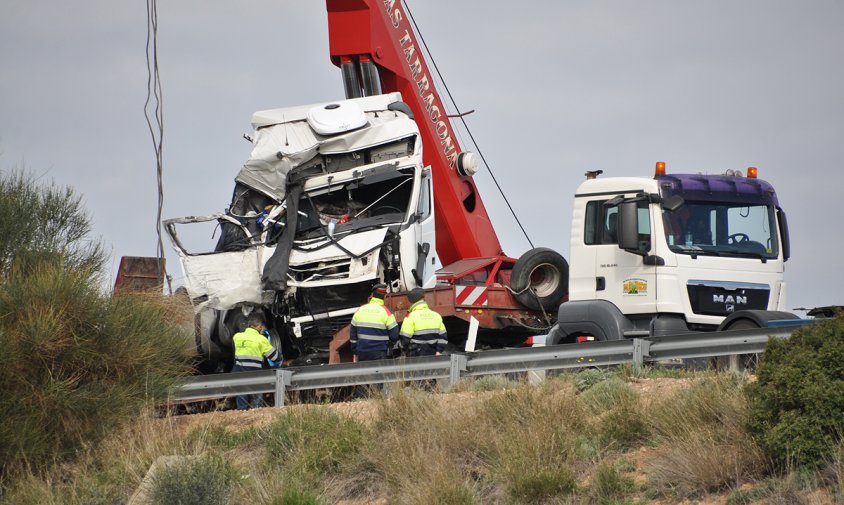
(722,299)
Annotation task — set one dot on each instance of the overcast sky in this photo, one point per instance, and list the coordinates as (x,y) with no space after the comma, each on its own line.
(559,88)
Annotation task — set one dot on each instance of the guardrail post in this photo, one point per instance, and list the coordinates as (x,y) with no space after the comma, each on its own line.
(734,361)
(641,348)
(458,364)
(283,378)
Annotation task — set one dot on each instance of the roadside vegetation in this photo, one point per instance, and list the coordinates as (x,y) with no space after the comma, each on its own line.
(76,363)
(82,371)
(599,436)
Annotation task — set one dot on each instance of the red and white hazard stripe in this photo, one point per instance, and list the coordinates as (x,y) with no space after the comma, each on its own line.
(471,295)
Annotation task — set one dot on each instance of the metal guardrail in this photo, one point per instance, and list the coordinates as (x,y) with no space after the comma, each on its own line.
(456,366)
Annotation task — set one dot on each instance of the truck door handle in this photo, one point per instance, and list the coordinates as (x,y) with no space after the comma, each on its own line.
(600,284)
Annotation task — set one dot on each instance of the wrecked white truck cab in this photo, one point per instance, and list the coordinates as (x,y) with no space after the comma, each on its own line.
(334,199)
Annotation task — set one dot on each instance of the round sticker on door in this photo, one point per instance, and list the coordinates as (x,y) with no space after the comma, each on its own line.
(635,287)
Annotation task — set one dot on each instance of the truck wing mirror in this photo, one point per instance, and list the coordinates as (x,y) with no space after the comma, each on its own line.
(629,234)
(786,243)
(628,226)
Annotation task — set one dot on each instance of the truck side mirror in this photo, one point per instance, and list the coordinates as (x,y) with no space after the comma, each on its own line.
(629,234)
(628,226)
(786,243)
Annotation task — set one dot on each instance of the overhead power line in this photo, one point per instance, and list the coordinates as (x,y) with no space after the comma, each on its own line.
(156,124)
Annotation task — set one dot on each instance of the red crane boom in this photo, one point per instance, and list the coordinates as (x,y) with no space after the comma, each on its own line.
(373,43)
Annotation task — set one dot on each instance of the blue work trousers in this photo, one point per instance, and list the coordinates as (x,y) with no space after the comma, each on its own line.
(246,402)
(363,391)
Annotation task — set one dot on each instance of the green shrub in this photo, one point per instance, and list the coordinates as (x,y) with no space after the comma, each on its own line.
(75,362)
(606,394)
(189,481)
(588,446)
(39,220)
(587,378)
(797,403)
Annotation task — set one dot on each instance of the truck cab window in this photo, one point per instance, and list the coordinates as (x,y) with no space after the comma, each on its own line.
(644,214)
(722,229)
(601,224)
(590,224)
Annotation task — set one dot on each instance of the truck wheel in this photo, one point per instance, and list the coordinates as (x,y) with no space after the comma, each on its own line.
(540,279)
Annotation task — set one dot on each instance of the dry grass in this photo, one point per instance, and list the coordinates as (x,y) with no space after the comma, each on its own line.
(704,446)
(523,444)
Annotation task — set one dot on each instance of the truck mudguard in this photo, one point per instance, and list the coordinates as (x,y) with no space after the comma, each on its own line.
(759,318)
(598,318)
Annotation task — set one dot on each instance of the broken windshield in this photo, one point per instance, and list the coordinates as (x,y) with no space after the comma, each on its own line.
(722,229)
(369,201)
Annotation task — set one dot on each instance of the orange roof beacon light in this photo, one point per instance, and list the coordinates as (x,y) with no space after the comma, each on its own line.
(660,169)
(752,172)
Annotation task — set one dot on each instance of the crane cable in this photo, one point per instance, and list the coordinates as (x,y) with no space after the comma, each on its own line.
(463,120)
(156,131)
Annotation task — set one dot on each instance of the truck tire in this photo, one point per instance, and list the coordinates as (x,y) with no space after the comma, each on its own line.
(540,279)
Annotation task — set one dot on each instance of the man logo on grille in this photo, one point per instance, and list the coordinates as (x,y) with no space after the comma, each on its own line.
(736,300)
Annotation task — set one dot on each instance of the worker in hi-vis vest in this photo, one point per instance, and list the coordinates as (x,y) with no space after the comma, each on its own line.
(251,346)
(373,328)
(422,331)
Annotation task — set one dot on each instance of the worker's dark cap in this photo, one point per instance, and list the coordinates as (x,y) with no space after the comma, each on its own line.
(256,318)
(416,294)
(379,291)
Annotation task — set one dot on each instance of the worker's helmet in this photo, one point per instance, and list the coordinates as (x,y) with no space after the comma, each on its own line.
(379,291)
(416,294)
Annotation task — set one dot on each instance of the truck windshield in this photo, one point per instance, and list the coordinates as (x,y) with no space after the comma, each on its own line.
(368,201)
(722,229)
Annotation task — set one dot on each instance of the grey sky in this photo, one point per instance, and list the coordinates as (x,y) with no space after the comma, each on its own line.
(558,88)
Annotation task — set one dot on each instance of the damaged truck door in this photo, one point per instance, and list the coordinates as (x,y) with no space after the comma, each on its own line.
(333,199)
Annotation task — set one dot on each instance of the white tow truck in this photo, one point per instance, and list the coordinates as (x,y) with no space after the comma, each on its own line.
(673,253)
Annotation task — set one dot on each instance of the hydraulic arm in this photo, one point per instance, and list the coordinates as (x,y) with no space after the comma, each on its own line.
(374,45)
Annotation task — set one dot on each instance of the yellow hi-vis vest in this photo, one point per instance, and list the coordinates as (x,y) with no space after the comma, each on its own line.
(250,348)
(423,328)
